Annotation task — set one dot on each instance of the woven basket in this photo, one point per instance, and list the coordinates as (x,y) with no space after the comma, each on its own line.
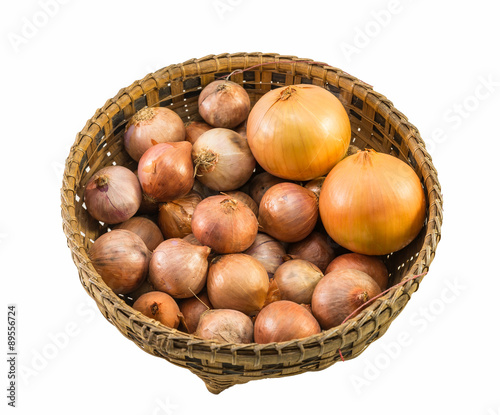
(375,124)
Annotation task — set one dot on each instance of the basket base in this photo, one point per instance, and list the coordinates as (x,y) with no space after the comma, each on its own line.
(217,386)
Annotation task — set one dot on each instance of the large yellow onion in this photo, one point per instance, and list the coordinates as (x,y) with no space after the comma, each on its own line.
(372,203)
(298,132)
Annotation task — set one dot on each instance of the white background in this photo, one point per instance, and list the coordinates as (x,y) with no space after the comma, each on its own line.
(438,62)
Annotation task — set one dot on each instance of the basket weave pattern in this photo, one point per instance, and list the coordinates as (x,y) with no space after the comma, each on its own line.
(375,124)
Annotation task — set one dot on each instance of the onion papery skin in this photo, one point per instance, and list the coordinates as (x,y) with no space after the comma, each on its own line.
(144,288)
(242,129)
(192,239)
(192,309)
(121,258)
(296,280)
(298,132)
(244,198)
(160,306)
(339,294)
(150,126)
(315,248)
(166,171)
(179,268)
(282,321)
(288,212)
(238,282)
(174,217)
(268,251)
(113,195)
(370,265)
(315,185)
(223,159)
(148,206)
(224,104)
(225,326)
(224,224)
(149,231)
(372,203)
(194,129)
(260,184)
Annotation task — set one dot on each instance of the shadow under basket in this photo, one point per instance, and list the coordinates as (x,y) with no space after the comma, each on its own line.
(375,124)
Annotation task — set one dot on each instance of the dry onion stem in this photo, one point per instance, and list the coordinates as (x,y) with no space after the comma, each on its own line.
(204,161)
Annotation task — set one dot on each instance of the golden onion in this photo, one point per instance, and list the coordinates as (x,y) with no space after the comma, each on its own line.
(298,132)
(372,203)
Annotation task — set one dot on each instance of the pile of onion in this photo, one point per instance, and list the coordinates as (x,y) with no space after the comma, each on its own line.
(246,212)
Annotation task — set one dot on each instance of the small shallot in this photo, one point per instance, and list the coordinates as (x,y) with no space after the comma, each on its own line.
(149,232)
(238,282)
(315,248)
(296,280)
(224,103)
(373,266)
(225,326)
(166,171)
(150,126)
(288,212)
(174,217)
(224,224)
(160,306)
(179,268)
(113,195)
(339,294)
(246,199)
(283,321)
(268,251)
(222,159)
(260,184)
(121,258)
(315,185)
(196,128)
(192,308)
